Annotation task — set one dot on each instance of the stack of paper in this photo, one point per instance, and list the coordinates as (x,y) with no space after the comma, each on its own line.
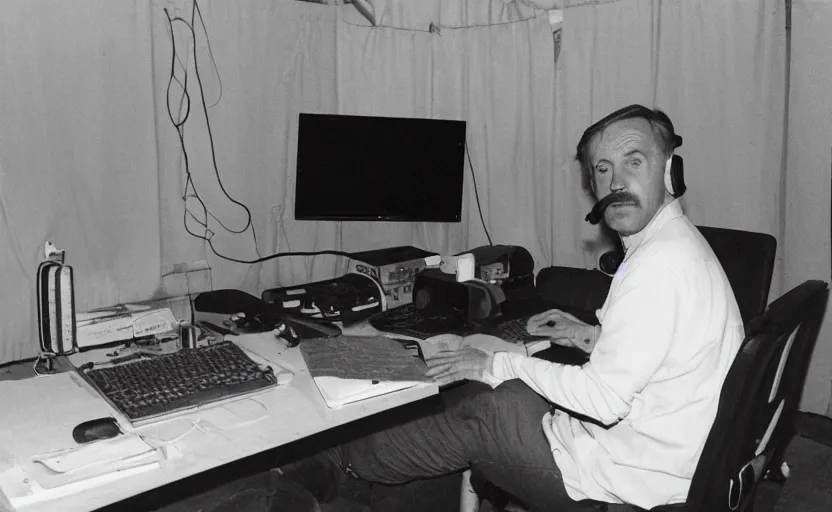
(91,460)
(41,461)
(347,369)
(338,392)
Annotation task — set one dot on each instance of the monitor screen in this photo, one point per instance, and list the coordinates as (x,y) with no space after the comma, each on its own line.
(379,168)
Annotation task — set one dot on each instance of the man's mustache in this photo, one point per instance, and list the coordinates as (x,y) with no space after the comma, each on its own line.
(594,217)
(620,197)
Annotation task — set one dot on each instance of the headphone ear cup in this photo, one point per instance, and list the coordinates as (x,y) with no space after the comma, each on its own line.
(677,175)
(674,176)
(668,176)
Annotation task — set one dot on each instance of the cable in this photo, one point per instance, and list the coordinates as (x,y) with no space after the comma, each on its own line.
(38,361)
(179,125)
(476,193)
(209,130)
(211,138)
(436,28)
(278,255)
(196,9)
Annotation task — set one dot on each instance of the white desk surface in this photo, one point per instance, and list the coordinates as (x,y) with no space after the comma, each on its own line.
(295,411)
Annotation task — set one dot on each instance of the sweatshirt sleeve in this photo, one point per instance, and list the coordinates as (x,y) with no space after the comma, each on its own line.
(636,334)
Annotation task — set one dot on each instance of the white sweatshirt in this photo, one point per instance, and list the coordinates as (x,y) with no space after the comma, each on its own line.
(670,328)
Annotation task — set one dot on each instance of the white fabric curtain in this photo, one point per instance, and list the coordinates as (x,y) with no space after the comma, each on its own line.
(77,156)
(806,184)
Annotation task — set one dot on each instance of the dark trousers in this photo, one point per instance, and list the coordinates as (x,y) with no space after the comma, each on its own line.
(498,433)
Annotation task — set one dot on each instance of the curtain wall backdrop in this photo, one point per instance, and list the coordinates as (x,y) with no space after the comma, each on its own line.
(90,158)
(78,159)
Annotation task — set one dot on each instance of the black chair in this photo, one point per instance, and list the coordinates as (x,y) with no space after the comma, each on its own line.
(758,404)
(748,260)
(746,256)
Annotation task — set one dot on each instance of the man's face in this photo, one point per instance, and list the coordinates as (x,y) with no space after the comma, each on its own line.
(627,161)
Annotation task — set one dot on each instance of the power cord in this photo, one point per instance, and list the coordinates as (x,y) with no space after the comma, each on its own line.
(179,125)
(200,424)
(477,194)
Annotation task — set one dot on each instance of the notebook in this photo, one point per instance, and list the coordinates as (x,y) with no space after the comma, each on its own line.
(348,369)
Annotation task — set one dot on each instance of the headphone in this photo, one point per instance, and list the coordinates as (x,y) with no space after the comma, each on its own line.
(674,174)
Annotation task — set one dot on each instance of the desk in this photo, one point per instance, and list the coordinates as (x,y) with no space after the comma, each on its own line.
(296,410)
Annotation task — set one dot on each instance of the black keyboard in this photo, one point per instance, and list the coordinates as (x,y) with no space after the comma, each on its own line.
(420,323)
(184,379)
(515,331)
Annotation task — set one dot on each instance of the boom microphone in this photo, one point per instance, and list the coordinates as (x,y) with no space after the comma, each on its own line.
(597,213)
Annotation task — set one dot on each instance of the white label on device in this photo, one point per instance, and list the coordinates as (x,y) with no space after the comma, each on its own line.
(154,322)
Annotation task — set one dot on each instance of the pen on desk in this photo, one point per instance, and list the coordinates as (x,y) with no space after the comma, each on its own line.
(216,328)
(100,319)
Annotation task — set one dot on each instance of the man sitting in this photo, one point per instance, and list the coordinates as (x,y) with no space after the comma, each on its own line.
(630,424)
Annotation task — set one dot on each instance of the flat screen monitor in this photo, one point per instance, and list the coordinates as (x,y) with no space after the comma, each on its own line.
(379,168)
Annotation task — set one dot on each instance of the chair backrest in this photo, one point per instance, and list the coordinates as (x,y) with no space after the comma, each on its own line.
(576,290)
(758,401)
(748,260)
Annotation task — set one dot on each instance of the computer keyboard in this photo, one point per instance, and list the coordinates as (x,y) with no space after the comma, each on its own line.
(184,379)
(515,331)
(420,323)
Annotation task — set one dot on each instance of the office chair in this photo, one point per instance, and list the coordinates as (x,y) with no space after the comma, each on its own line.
(748,260)
(755,420)
(746,256)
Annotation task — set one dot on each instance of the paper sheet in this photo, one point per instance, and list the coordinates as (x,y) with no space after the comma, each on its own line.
(41,413)
(339,392)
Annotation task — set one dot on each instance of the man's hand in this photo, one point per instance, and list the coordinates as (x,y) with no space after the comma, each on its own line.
(453,365)
(563,329)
